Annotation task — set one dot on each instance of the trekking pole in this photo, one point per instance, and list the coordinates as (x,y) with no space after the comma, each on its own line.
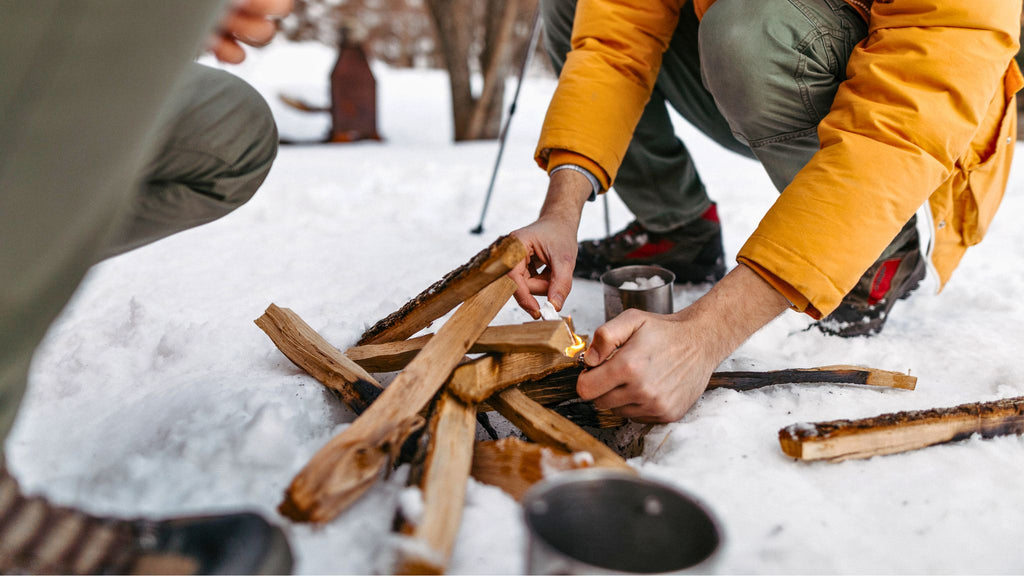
(531,47)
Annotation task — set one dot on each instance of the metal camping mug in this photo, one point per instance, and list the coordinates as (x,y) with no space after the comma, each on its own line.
(617,299)
(600,521)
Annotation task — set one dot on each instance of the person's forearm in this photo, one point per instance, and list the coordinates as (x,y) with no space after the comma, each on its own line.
(567,193)
(735,308)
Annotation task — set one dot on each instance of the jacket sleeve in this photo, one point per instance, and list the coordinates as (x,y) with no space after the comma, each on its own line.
(617,46)
(917,91)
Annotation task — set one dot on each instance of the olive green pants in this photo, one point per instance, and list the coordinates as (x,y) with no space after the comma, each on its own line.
(756,76)
(110,138)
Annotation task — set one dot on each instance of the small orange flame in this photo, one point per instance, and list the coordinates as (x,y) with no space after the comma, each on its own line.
(578,344)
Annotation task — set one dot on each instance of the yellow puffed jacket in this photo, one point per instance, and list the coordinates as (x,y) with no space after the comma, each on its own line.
(926,113)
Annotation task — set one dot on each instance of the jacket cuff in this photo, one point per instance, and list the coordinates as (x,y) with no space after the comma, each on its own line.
(797,300)
(558,158)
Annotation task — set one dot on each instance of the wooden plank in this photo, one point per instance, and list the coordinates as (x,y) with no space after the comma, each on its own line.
(515,465)
(349,464)
(478,380)
(545,427)
(548,336)
(840,374)
(838,440)
(436,301)
(446,472)
(309,351)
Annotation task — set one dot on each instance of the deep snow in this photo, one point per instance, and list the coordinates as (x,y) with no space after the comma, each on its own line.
(156,394)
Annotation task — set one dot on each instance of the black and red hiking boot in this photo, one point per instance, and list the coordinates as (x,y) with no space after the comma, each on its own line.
(37,537)
(692,251)
(892,277)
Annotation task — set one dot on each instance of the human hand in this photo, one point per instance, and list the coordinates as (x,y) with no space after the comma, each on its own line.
(647,367)
(252,22)
(551,243)
(652,368)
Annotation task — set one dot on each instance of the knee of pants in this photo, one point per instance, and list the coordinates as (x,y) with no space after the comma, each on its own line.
(249,167)
(747,53)
(222,140)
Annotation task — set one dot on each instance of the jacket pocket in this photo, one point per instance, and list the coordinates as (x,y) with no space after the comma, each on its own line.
(986,166)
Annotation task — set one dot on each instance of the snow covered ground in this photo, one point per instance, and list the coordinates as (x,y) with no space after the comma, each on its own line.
(155,394)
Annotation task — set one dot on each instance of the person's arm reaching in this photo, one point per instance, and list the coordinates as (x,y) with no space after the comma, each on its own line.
(652,367)
(551,242)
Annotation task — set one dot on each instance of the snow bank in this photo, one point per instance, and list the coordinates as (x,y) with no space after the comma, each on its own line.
(154,393)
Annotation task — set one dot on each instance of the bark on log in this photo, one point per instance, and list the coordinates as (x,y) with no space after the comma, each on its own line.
(446,472)
(560,386)
(309,351)
(840,374)
(901,431)
(546,427)
(514,465)
(478,380)
(586,414)
(436,301)
(344,468)
(550,336)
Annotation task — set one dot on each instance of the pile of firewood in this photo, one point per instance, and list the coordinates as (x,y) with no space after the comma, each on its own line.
(428,415)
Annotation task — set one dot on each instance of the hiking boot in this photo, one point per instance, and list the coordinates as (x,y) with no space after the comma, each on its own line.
(37,537)
(893,277)
(692,251)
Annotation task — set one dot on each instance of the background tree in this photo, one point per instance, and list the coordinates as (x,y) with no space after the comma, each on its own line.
(471,39)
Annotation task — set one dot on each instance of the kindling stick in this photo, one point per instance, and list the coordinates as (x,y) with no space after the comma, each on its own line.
(491,263)
(349,464)
(551,336)
(838,440)
(309,351)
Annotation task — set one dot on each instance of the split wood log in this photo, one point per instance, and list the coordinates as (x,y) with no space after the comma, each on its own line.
(550,336)
(436,301)
(443,486)
(546,427)
(309,351)
(840,374)
(560,386)
(347,465)
(554,388)
(901,431)
(478,380)
(515,465)
(586,414)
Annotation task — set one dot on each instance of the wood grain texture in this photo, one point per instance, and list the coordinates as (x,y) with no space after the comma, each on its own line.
(446,472)
(489,264)
(515,465)
(349,463)
(308,350)
(478,380)
(838,440)
(548,336)
(546,427)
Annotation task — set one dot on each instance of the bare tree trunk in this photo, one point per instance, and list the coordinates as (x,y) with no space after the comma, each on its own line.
(477,117)
(499,27)
(453,20)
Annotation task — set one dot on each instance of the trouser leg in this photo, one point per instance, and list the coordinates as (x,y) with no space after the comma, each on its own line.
(217,143)
(774,67)
(84,84)
(658,180)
